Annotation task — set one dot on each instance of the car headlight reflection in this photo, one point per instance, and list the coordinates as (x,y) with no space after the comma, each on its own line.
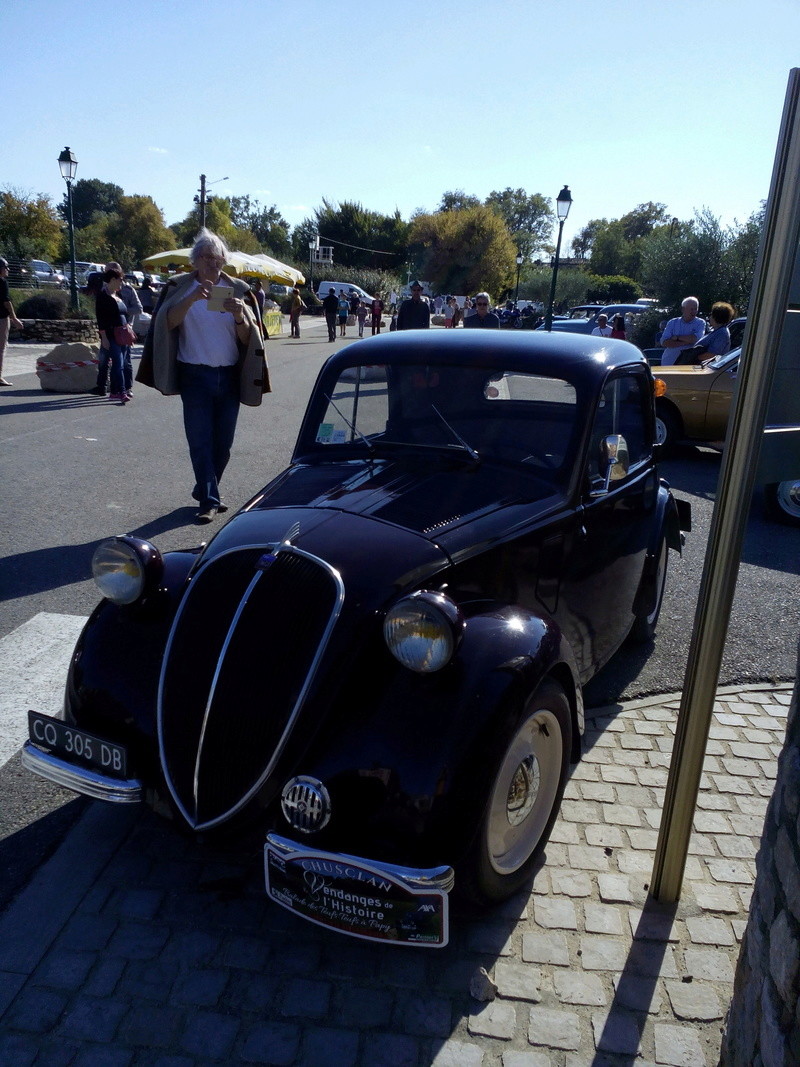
(123,568)
(423,630)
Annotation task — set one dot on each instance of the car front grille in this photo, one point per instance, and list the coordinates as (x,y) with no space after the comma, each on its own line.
(240,659)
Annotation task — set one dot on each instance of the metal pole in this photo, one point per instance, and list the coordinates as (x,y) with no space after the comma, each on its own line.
(202,201)
(548,322)
(766,315)
(516,296)
(73,285)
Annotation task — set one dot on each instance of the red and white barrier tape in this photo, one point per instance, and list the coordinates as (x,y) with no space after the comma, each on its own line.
(41,365)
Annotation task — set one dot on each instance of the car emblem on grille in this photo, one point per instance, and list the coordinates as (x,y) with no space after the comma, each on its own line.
(306,804)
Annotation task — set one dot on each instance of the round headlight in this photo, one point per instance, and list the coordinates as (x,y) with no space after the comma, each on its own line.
(120,568)
(422,631)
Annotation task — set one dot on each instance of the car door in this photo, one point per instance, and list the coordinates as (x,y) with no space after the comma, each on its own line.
(720,397)
(603,572)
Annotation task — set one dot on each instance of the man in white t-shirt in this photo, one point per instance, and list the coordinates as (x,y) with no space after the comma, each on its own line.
(602,329)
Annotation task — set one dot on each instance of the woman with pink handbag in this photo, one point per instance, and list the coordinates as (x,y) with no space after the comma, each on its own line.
(115,333)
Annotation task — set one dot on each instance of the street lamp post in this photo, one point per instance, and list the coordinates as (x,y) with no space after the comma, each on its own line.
(563,204)
(313,245)
(520,258)
(68,165)
(203,199)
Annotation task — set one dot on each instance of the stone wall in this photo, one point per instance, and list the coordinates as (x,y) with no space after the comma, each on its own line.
(764,1020)
(56,331)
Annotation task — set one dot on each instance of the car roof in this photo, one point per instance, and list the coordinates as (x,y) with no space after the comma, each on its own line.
(533,352)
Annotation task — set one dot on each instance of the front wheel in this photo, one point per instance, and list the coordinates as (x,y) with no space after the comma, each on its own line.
(654,582)
(524,798)
(782,500)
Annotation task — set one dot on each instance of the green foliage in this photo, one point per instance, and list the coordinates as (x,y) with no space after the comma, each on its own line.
(646,330)
(529,218)
(457,200)
(267,225)
(28,226)
(615,247)
(361,238)
(137,230)
(612,289)
(464,251)
(702,258)
(571,286)
(52,305)
(90,198)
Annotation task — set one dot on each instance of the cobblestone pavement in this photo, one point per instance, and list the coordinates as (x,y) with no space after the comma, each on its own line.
(134,945)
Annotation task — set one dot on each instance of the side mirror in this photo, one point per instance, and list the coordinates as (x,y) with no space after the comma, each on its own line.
(614,461)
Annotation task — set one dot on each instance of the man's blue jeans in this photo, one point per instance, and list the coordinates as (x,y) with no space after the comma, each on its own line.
(210,398)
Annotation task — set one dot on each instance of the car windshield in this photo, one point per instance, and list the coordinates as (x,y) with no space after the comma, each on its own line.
(720,362)
(471,414)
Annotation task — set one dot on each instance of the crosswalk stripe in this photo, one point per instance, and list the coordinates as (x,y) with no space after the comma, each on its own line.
(34,660)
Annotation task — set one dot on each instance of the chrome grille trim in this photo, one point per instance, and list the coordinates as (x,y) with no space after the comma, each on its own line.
(284,547)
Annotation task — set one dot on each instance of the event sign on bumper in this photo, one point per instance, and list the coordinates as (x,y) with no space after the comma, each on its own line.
(374,901)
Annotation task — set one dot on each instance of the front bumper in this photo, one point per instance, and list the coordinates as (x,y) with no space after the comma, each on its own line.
(368,899)
(81,779)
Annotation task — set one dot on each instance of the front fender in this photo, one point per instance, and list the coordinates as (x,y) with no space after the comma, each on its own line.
(406,766)
(112,684)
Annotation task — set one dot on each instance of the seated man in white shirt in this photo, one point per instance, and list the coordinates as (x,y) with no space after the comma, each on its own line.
(602,329)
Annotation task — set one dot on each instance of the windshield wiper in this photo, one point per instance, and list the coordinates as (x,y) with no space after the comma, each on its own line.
(353,429)
(473,455)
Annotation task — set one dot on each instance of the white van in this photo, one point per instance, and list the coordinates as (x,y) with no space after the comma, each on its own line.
(348,287)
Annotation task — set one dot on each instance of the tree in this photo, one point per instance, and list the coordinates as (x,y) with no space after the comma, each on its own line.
(361,238)
(529,218)
(267,225)
(457,200)
(91,197)
(137,230)
(571,286)
(583,241)
(28,225)
(464,251)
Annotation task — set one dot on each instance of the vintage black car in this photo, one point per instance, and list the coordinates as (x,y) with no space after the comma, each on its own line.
(378,661)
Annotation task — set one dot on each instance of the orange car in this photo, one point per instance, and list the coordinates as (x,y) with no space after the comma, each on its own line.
(695,407)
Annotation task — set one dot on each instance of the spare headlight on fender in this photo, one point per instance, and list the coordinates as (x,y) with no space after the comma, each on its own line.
(423,631)
(126,569)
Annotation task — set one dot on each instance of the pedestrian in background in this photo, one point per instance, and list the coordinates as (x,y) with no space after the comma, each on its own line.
(212,356)
(330,305)
(133,308)
(377,310)
(361,317)
(261,297)
(602,329)
(92,289)
(449,312)
(147,296)
(344,311)
(7,315)
(295,311)
(715,343)
(682,332)
(414,314)
(111,318)
(618,327)
(483,317)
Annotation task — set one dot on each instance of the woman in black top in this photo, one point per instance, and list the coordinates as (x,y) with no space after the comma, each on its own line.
(7,316)
(110,314)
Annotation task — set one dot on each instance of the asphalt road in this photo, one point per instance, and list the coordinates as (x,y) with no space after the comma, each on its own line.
(76,469)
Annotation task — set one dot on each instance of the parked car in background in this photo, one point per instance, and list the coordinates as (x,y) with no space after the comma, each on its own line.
(376,666)
(583,319)
(82,271)
(20,273)
(695,405)
(323,287)
(46,275)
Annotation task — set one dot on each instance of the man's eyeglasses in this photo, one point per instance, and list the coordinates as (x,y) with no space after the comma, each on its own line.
(482,303)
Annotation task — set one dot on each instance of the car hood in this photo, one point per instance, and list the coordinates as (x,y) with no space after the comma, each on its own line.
(392,519)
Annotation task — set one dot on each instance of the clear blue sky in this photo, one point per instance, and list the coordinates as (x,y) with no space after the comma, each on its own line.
(392,104)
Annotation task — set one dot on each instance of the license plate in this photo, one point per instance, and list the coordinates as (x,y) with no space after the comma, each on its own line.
(77,746)
(351,896)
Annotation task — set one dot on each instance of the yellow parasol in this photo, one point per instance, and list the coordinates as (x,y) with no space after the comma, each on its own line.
(238,263)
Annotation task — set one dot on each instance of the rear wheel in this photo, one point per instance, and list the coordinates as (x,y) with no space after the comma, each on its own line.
(668,428)
(782,500)
(524,798)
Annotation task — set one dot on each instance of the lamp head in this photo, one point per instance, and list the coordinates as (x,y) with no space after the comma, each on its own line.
(563,203)
(67,164)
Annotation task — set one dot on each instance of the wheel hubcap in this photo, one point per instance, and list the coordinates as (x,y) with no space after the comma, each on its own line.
(788,496)
(524,792)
